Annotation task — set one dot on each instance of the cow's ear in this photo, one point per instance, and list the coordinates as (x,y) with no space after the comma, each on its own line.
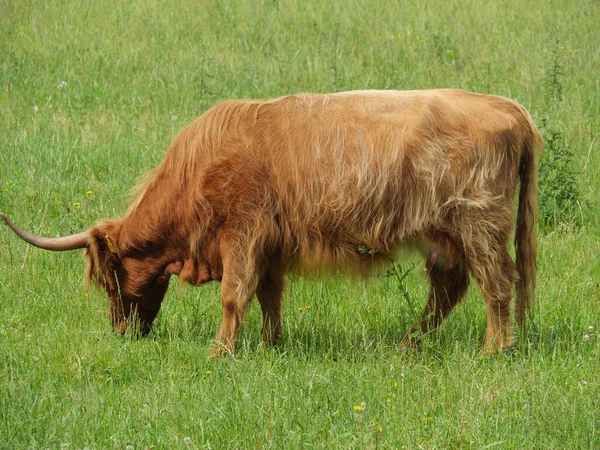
(104,238)
(102,253)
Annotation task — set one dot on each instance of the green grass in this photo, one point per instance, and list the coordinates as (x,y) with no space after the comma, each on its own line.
(92,92)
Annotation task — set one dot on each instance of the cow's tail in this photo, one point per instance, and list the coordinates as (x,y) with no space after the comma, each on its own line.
(525,235)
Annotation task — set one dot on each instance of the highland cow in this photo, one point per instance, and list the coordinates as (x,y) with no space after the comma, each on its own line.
(254,189)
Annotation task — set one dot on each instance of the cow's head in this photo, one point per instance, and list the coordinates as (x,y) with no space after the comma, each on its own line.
(135,279)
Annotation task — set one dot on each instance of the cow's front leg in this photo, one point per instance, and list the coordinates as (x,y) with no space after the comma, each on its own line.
(234,305)
(269,294)
(237,288)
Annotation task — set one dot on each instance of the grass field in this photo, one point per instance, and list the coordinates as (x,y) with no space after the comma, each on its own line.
(91,94)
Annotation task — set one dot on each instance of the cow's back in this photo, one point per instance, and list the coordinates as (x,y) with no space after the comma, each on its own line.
(376,167)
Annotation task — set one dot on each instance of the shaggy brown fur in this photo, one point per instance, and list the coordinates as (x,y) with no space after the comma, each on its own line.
(253,189)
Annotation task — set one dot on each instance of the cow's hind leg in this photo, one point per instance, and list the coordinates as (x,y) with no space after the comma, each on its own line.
(448,287)
(494,270)
(269,294)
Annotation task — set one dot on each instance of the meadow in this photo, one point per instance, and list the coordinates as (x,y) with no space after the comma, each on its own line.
(92,93)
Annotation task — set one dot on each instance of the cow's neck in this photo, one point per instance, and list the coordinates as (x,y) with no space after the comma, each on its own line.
(156,221)
(162,223)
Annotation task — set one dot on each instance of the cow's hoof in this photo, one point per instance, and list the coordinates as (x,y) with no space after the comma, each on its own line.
(497,344)
(412,341)
(220,350)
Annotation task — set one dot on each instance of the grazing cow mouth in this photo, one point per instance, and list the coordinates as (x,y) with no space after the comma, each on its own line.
(135,318)
(137,325)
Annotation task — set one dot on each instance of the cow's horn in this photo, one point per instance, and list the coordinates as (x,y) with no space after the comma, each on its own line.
(73,242)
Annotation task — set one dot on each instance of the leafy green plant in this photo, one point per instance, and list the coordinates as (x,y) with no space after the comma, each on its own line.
(396,272)
(554,73)
(560,198)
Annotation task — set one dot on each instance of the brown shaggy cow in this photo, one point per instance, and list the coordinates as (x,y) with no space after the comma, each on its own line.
(255,188)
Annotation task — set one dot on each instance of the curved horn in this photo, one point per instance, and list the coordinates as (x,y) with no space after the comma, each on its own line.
(72,242)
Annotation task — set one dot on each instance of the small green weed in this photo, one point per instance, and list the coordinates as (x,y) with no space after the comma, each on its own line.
(560,198)
(554,73)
